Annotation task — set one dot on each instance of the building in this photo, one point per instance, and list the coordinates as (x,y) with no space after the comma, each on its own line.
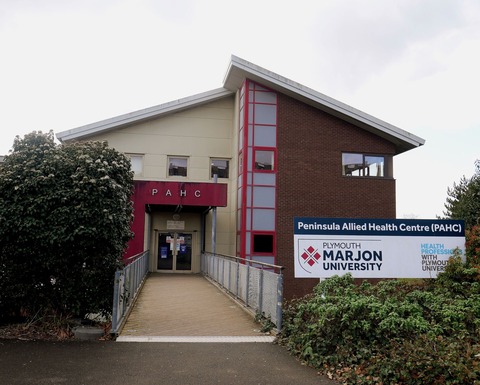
(249,156)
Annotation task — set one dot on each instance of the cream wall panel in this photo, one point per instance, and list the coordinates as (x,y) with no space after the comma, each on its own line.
(200,146)
(207,122)
(200,133)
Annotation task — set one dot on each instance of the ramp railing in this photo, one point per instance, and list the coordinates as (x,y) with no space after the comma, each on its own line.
(127,285)
(259,286)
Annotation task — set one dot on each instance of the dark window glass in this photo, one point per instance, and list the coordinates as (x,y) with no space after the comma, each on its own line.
(264,160)
(177,166)
(219,167)
(263,243)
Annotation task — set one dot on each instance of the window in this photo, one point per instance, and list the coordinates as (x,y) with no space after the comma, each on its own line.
(263,243)
(366,165)
(136,163)
(264,160)
(177,166)
(219,167)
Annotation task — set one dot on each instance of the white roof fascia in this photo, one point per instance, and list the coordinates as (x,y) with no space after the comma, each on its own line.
(141,115)
(240,69)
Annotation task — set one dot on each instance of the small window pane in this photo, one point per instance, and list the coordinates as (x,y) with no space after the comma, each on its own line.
(265,136)
(240,163)
(264,196)
(264,160)
(262,243)
(177,166)
(265,97)
(136,162)
(263,220)
(264,178)
(240,139)
(219,167)
(374,166)
(250,135)
(352,164)
(265,114)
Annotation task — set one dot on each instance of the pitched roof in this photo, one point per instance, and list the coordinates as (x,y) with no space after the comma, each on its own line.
(239,70)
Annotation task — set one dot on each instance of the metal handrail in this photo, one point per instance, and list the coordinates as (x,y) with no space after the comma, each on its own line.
(127,285)
(251,262)
(256,284)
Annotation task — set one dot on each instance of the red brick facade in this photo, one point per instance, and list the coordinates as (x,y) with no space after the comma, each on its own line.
(310,181)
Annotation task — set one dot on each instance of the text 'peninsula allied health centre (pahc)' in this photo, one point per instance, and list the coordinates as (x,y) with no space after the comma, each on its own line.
(262,150)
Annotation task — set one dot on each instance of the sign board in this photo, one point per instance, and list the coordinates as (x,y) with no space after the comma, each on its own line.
(375,248)
(175,225)
(180,193)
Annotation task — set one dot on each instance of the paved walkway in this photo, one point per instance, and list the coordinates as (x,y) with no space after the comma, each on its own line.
(188,308)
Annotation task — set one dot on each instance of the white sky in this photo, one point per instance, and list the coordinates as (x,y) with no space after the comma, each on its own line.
(414,64)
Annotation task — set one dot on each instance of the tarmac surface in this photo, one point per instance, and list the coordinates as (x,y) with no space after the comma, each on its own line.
(142,363)
(182,330)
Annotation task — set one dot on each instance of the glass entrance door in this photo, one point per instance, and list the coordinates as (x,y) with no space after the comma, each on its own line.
(174,251)
(166,243)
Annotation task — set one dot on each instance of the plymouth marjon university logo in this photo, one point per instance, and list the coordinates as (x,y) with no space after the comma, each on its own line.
(309,257)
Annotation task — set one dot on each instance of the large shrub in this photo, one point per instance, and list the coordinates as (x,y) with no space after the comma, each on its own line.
(65,216)
(391,332)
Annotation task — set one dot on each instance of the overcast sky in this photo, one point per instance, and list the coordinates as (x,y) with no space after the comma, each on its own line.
(413,63)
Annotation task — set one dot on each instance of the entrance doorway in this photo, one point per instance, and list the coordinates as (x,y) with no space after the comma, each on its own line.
(174,252)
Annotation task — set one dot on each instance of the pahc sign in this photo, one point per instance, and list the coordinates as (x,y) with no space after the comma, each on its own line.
(180,193)
(375,248)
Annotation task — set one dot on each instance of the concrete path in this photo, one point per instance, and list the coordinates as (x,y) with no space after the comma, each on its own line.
(188,308)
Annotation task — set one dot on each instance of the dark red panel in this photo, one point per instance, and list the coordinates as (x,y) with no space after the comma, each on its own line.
(181,193)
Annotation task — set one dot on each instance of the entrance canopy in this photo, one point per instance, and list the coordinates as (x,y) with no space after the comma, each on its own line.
(172,195)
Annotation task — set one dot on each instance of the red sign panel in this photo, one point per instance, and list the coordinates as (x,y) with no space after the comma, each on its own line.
(181,193)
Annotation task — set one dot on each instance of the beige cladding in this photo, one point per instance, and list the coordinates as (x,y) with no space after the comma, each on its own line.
(199,133)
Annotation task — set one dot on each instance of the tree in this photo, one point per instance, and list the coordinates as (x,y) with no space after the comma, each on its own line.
(463,200)
(65,215)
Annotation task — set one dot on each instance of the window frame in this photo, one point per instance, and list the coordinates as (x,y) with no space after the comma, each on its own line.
(227,168)
(141,157)
(387,163)
(262,253)
(169,158)
(264,149)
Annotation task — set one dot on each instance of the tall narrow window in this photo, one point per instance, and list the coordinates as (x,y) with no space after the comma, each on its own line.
(177,166)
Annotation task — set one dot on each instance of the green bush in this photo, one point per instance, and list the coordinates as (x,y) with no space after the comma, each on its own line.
(391,332)
(65,215)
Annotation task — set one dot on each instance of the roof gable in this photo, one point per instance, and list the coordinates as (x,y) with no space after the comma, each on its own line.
(239,70)
(143,115)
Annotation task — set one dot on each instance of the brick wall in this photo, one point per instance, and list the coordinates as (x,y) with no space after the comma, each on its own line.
(310,181)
